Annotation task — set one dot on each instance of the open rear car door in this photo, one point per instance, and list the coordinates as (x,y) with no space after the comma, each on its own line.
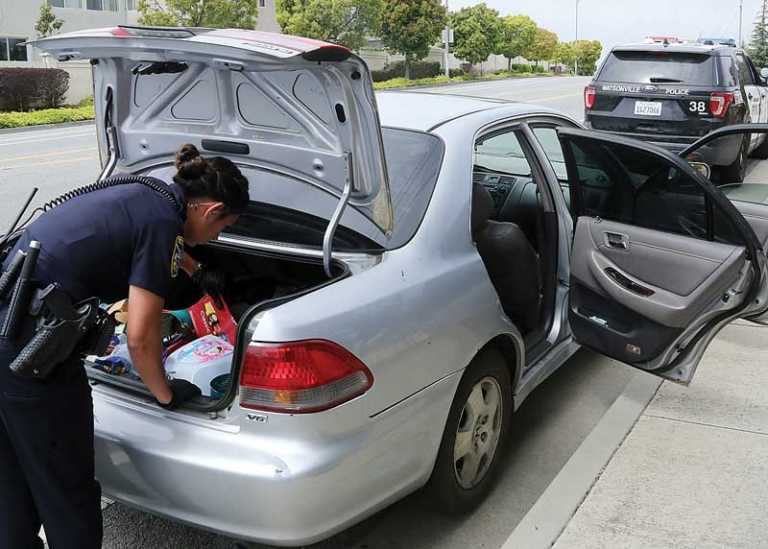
(661,259)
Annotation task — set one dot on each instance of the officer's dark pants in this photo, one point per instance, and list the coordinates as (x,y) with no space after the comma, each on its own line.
(46,459)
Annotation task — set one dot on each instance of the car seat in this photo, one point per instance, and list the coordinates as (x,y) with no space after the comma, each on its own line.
(510,260)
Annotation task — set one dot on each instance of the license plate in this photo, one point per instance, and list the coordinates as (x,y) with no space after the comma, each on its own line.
(648,108)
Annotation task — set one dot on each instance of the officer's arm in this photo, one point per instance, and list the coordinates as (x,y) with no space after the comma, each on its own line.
(145,342)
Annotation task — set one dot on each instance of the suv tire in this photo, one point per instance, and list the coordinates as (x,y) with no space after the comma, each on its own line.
(483,428)
(735,172)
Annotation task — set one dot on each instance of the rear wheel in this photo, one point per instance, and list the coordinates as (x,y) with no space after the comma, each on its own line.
(735,172)
(474,436)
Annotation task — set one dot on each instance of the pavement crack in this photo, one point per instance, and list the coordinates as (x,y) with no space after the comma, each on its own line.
(704,424)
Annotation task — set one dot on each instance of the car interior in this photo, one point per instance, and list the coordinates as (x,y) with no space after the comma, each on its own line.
(513,234)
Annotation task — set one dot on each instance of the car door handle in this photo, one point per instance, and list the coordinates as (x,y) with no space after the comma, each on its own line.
(628,284)
(617,240)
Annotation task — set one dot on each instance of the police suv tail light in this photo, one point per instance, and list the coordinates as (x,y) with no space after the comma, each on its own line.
(300,376)
(590,94)
(719,103)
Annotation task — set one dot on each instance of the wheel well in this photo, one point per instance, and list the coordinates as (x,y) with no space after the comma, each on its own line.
(510,351)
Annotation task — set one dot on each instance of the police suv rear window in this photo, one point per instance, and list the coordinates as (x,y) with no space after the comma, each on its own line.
(659,68)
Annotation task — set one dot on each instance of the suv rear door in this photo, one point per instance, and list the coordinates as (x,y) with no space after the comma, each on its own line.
(657,92)
(661,260)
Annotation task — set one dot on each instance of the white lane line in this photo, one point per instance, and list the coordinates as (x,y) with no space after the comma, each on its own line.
(51,163)
(46,155)
(59,138)
(44,133)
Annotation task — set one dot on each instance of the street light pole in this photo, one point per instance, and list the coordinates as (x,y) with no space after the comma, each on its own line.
(576,45)
(447,44)
(741,11)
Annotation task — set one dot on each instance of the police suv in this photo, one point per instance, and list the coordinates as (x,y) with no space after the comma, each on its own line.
(673,94)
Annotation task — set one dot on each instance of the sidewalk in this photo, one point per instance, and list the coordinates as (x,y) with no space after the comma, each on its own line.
(693,472)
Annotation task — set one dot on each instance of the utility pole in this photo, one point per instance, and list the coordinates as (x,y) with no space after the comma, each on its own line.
(575,44)
(741,12)
(447,44)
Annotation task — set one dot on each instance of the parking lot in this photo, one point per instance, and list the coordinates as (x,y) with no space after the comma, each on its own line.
(548,429)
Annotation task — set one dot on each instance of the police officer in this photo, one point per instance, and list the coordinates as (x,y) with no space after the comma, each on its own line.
(124,240)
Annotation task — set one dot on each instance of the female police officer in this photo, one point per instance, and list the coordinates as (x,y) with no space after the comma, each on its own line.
(121,240)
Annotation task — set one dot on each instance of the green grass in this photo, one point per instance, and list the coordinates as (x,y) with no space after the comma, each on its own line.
(397,83)
(47,116)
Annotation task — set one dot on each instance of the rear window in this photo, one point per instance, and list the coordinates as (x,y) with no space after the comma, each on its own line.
(659,68)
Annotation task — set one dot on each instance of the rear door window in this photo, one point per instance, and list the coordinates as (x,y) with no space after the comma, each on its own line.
(745,73)
(659,68)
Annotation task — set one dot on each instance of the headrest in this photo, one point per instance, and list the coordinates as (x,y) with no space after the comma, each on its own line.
(482,207)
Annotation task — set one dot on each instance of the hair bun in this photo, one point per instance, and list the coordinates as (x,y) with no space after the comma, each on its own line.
(189,163)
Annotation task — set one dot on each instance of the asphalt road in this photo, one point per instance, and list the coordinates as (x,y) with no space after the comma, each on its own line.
(547,430)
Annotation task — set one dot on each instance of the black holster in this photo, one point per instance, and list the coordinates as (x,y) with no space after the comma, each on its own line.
(63,331)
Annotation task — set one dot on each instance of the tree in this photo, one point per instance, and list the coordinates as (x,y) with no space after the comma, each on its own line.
(240,14)
(47,23)
(565,53)
(477,33)
(758,48)
(346,22)
(411,27)
(587,52)
(543,47)
(518,34)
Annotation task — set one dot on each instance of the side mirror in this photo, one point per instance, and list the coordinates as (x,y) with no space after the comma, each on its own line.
(764,73)
(701,168)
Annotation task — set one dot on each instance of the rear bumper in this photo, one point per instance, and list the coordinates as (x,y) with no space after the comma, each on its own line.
(291,480)
(723,152)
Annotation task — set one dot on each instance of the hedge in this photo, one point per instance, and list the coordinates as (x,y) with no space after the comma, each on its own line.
(22,89)
(45,116)
(396,83)
(419,69)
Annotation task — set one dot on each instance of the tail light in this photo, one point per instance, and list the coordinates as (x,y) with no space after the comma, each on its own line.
(719,103)
(300,376)
(590,93)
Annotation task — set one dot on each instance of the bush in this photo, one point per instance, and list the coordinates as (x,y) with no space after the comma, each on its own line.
(46,116)
(23,89)
(521,68)
(419,69)
(457,72)
(539,69)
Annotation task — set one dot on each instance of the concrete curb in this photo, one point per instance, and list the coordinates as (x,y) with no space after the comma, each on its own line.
(46,127)
(546,520)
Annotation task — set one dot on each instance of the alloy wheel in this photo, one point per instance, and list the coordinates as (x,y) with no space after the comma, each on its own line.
(478,433)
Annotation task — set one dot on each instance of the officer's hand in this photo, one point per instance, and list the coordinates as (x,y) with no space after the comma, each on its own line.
(212,282)
(183,391)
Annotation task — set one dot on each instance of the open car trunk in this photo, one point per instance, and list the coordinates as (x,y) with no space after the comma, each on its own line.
(255,282)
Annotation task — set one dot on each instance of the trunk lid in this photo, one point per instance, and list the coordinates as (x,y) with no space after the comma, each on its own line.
(302,107)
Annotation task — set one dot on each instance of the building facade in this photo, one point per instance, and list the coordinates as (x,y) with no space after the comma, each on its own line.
(17,25)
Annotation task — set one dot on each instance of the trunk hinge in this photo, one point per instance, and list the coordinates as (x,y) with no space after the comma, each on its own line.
(330,231)
(111,136)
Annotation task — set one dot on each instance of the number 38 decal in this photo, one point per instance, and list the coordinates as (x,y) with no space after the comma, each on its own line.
(697,106)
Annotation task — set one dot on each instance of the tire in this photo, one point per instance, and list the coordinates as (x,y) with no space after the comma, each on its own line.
(459,483)
(735,173)
(761,152)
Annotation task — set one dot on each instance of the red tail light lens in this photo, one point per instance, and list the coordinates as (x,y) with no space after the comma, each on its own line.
(719,103)
(590,93)
(301,376)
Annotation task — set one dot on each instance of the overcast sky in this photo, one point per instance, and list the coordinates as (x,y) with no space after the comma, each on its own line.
(622,21)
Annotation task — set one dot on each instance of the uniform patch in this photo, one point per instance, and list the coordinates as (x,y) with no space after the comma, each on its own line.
(178,254)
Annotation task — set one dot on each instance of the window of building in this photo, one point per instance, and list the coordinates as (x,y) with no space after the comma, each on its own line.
(66,3)
(262,3)
(12,50)
(101,5)
(130,5)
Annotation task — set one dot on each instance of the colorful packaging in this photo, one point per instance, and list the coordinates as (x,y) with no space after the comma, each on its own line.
(208,318)
(200,361)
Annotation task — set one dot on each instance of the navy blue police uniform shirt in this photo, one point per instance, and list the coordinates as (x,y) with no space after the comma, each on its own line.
(100,243)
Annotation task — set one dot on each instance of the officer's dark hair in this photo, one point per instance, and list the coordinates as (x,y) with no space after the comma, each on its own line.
(217,178)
